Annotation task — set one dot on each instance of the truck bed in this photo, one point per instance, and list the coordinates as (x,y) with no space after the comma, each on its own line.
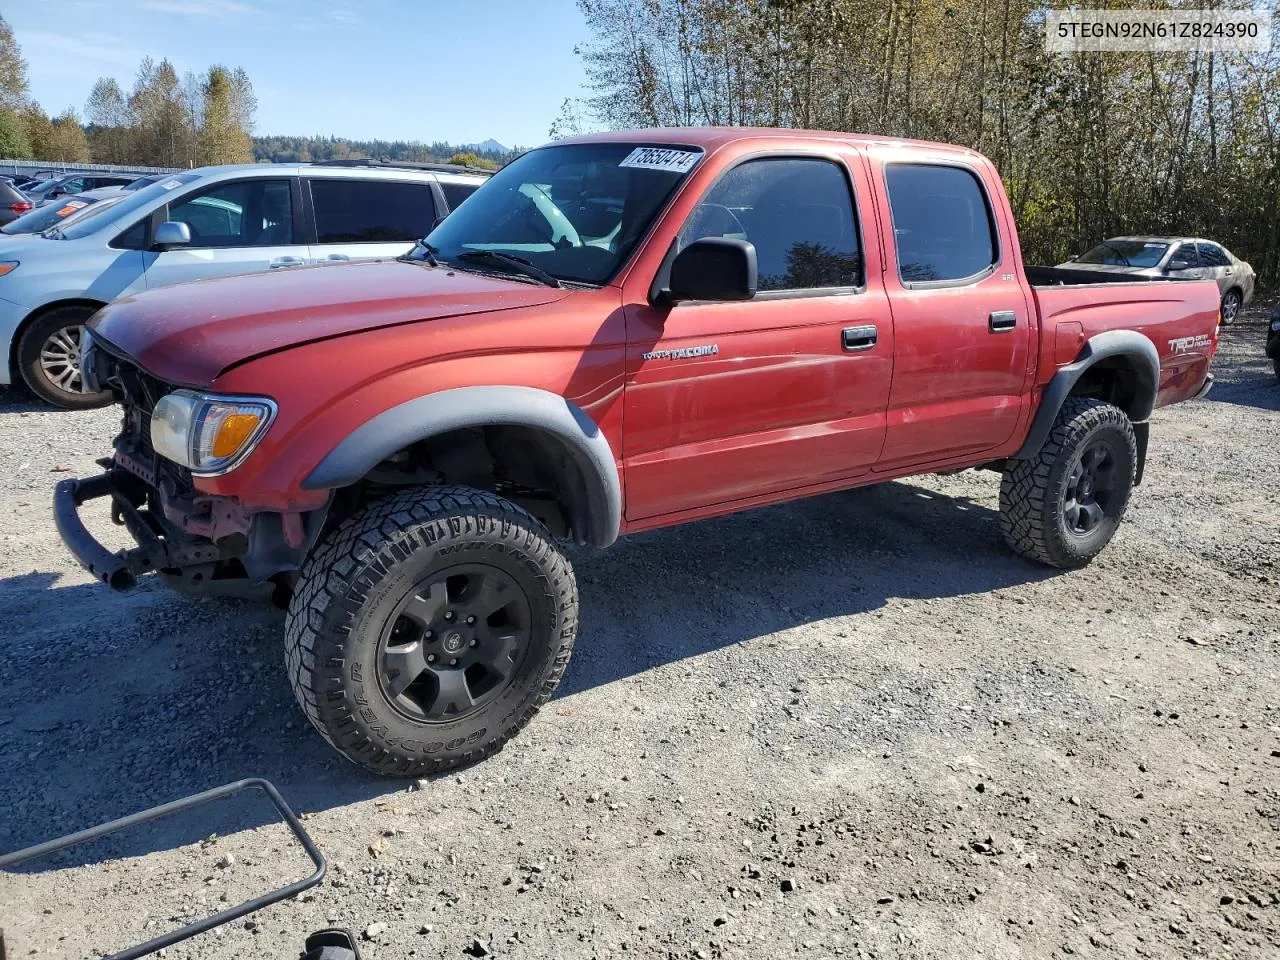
(1066,277)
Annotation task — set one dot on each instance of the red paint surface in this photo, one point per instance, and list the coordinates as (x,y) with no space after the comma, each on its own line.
(780,411)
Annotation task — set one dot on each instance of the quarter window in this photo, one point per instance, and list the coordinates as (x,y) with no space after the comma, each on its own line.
(942,225)
(246,213)
(1212,255)
(797,213)
(371,211)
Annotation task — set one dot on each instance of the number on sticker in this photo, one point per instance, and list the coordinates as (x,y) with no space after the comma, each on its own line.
(661,158)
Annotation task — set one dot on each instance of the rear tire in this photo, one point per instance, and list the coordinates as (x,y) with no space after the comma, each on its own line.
(428,629)
(1062,506)
(49,361)
(1232,302)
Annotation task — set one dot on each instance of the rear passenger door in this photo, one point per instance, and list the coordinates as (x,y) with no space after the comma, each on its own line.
(366,219)
(238,226)
(962,321)
(1217,264)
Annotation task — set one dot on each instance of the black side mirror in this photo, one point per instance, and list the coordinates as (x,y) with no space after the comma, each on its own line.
(714,268)
(1178,265)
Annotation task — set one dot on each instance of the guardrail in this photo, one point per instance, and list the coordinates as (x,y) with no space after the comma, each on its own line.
(53,168)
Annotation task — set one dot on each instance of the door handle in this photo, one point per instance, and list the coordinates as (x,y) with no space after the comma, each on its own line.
(854,339)
(1002,321)
(279,262)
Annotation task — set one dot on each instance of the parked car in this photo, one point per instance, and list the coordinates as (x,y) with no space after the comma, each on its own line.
(13,203)
(1184,257)
(197,224)
(707,319)
(73,183)
(53,214)
(1273,341)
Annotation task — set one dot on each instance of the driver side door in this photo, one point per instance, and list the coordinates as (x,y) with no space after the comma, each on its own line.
(241,226)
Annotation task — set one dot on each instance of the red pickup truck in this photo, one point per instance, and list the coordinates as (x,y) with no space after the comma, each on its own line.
(615,333)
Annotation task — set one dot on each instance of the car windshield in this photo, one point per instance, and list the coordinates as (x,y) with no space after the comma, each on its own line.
(575,211)
(128,203)
(1126,253)
(42,218)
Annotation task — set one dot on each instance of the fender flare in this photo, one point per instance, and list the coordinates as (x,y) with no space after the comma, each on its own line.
(1113,343)
(586,449)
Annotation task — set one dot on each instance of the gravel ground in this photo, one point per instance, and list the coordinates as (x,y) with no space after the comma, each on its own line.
(852,726)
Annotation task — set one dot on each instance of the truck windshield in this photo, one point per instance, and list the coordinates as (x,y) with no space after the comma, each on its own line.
(574,211)
(1126,253)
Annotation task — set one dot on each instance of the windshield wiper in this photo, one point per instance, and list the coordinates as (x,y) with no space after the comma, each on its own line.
(426,252)
(513,264)
(1118,254)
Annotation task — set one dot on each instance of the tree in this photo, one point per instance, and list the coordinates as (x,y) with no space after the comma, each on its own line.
(13,70)
(222,138)
(469,159)
(110,120)
(569,122)
(67,141)
(39,130)
(14,142)
(163,133)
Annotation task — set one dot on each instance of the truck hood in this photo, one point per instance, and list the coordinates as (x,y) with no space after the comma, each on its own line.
(191,332)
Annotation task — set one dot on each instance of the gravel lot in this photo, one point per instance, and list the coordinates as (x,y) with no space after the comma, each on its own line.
(852,726)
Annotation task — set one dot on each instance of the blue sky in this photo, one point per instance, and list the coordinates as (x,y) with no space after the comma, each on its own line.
(394,69)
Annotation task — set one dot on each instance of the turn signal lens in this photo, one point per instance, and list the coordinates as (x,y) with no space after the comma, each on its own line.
(232,432)
(8,266)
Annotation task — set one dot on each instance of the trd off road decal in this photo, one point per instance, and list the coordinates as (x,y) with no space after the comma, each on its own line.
(1201,341)
(660,158)
(683,353)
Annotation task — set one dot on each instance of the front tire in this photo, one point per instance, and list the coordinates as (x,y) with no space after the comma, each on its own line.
(1061,507)
(49,359)
(427,630)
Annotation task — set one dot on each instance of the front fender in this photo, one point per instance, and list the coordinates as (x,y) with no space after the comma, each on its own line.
(585,446)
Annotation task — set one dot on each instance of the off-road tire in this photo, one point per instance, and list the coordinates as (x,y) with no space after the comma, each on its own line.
(30,345)
(1033,491)
(349,588)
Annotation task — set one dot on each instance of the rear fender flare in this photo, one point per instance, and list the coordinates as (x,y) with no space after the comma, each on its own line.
(1143,361)
(596,521)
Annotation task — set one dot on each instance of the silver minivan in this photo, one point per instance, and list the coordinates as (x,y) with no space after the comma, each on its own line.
(203,223)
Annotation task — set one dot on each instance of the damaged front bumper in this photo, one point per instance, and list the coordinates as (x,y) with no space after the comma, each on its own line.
(157,549)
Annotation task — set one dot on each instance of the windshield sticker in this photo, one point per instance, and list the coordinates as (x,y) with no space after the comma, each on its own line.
(71,207)
(660,158)
(170,184)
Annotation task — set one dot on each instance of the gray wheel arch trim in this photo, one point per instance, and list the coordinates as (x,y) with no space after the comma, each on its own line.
(1111,343)
(585,445)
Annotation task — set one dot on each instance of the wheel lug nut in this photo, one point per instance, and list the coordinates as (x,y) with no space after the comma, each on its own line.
(453,662)
(471,620)
(475,642)
(431,658)
(449,615)
(429,634)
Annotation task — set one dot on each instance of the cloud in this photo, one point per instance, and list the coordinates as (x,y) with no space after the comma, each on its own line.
(96,47)
(199,8)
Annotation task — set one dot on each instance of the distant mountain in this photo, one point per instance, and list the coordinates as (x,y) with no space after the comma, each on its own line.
(487,146)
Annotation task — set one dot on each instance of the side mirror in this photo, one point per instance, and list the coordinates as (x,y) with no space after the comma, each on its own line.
(171,233)
(714,268)
(1175,265)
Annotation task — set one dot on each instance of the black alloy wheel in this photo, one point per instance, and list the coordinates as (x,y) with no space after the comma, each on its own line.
(453,642)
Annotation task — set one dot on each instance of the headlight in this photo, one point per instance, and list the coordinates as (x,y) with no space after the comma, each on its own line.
(7,266)
(208,434)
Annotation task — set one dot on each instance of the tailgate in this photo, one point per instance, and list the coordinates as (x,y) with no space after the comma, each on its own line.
(1180,317)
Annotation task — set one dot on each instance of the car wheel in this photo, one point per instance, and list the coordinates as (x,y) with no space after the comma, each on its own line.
(1062,506)
(428,629)
(1231,304)
(49,359)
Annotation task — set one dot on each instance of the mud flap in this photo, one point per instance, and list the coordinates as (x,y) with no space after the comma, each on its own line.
(1141,431)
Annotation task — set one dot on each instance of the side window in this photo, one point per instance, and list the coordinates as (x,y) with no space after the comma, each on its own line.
(246,213)
(1212,255)
(455,193)
(798,214)
(135,238)
(371,211)
(1188,253)
(942,225)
